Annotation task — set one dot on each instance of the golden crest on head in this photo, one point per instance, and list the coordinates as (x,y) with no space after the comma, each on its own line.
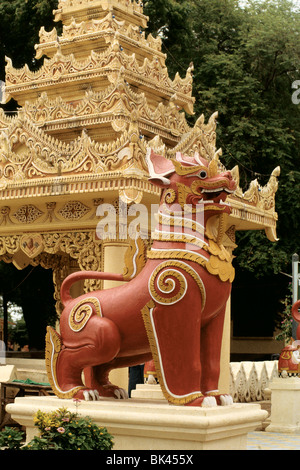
(213,167)
(186,170)
(186,165)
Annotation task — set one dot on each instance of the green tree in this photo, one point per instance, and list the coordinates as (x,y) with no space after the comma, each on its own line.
(171,20)
(21,21)
(245,61)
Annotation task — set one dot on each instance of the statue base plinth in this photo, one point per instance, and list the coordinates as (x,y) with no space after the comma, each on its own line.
(148,392)
(143,425)
(285,405)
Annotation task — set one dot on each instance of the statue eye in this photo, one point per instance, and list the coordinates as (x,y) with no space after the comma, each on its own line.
(202,174)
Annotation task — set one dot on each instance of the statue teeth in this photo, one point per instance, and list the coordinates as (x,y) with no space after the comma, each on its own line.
(224,203)
(216,190)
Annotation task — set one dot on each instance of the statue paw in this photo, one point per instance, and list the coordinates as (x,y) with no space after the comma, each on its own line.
(208,402)
(104,391)
(205,402)
(221,400)
(226,400)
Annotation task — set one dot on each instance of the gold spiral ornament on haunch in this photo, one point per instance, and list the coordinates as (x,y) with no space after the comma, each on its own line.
(82,312)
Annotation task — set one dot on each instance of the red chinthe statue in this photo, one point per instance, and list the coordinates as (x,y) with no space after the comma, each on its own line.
(172,311)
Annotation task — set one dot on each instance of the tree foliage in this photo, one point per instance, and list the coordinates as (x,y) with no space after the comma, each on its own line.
(245,62)
(21,21)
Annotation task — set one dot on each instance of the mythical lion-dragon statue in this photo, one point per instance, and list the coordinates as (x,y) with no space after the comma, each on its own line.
(172,311)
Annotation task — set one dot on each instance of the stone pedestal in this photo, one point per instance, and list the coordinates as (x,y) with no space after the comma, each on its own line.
(155,425)
(148,392)
(285,405)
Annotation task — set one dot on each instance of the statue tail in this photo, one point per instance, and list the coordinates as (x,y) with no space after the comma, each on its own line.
(65,295)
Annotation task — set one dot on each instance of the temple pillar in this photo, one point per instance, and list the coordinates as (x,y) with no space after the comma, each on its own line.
(224,380)
(113,253)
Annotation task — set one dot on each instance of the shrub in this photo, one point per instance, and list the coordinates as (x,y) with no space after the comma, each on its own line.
(11,438)
(60,430)
(64,430)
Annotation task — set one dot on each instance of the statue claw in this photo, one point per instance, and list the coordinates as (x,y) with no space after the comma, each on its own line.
(91,395)
(124,393)
(120,394)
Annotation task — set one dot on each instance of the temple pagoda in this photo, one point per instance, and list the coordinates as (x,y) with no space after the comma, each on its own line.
(79,139)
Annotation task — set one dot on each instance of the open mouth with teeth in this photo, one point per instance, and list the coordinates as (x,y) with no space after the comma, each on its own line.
(216,195)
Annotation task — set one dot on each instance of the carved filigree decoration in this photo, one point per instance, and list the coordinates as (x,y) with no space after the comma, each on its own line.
(58,249)
(73,210)
(47,36)
(27,214)
(5,217)
(31,158)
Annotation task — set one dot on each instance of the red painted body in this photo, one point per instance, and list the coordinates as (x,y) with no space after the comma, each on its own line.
(184,337)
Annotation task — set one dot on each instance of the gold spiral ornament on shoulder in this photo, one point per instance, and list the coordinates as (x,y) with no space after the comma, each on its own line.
(168,283)
(82,312)
(167,286)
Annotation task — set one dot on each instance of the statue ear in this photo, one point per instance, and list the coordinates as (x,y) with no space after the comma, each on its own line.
(159,168)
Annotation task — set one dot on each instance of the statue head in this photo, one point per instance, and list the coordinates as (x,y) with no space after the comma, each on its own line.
(192,180)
